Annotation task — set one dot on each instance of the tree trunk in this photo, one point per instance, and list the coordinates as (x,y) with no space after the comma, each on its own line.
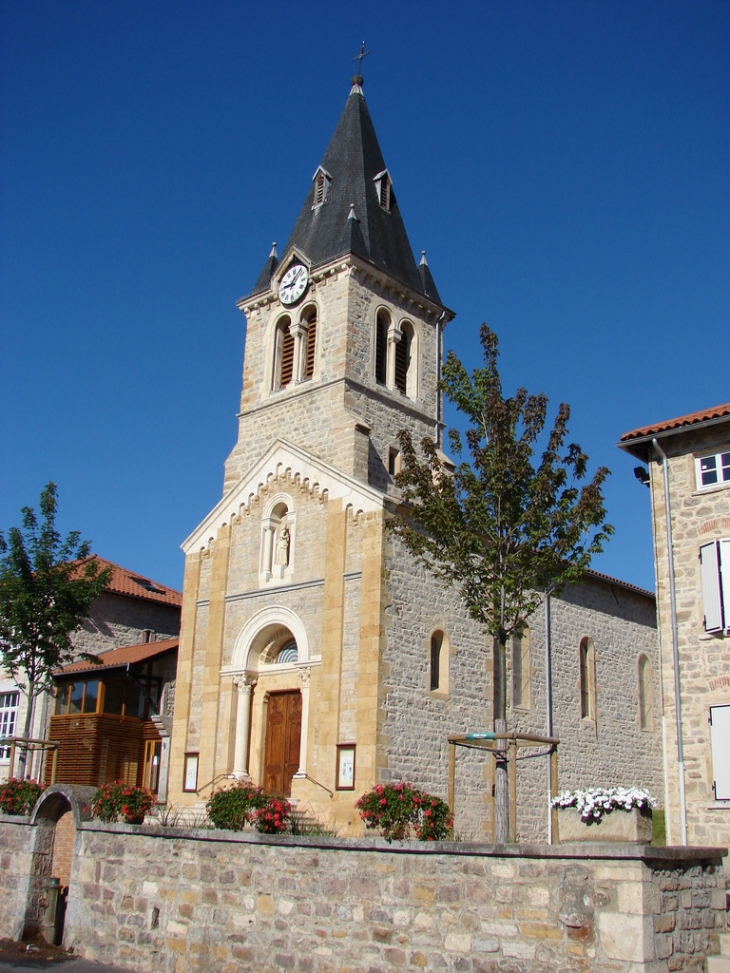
(22,750)
(501,781)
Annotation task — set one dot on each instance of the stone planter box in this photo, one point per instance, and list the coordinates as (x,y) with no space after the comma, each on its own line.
(629,826)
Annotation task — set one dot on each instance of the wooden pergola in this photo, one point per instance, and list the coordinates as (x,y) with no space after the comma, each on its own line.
(497,743)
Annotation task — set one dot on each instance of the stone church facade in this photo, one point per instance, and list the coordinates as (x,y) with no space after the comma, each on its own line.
(315,658)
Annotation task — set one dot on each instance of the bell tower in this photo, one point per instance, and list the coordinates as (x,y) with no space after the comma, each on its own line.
(344,331)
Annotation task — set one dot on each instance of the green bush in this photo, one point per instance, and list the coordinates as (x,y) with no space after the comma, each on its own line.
(18,796)
(230,808)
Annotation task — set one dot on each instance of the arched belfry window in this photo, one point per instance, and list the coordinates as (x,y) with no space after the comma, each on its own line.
(382,326)
(309,341)
(403,350)
(283,354)
(277,542)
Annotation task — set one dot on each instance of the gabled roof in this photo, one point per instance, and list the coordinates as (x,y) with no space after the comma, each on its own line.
(704,415)
(353,160)
(135,585)
(638,441)
(126,655)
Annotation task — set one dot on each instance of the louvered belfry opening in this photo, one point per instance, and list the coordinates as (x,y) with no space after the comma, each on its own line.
(402,361)
(319,188)
(285,354)
(381,348)
(311,345)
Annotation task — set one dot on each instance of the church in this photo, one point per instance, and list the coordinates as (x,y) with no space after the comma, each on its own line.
(316,659)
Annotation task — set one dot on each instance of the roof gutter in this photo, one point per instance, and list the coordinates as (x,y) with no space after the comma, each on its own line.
(675,643)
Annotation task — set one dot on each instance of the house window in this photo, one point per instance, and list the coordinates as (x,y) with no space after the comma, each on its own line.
(646,694)
(381,347)
(283,354)
(712,470)
(587,679)
(522,671)
(720,737)
(383,187)
(394,461)
(78,698)
(9,705)
(439,663)
(715,580)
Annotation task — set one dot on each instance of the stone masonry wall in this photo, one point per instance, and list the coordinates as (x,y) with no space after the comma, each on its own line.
(115,621)
(698,516)
(174,901)
(611,750)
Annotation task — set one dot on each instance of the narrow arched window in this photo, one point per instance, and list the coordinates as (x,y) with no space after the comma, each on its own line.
(311,343)
(381,347)
(283,354)
(646,694)
(587,679)
(403,359)
(437,643)
(522,671)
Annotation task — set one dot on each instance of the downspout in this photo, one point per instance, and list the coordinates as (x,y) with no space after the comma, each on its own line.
(675,644)
(549,705)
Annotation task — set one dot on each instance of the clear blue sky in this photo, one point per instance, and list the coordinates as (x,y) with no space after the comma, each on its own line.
(564,164)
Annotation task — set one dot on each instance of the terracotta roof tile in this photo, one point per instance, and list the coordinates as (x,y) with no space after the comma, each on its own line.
(136,585)
(127,654)
(704,415)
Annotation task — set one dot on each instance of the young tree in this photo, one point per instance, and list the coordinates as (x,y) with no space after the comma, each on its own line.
(505,531)
(47,586)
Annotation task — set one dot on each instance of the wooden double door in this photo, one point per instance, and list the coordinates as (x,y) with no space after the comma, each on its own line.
(283,734)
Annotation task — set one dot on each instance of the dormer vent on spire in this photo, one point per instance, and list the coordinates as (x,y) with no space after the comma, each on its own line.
(383,185)
(322,180)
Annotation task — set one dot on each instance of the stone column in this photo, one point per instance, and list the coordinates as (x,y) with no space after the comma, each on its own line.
(267,550)
(305,674)
(394,336)
(244,684)
(298,331)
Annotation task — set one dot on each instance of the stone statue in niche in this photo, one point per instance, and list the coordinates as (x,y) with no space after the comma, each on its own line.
(282,547)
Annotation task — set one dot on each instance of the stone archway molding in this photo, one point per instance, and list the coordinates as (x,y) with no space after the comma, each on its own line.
(56,800)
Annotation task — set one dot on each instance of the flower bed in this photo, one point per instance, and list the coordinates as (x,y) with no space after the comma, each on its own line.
(120,799)
(18,796)
(395,809)
(232,808)
(600,814)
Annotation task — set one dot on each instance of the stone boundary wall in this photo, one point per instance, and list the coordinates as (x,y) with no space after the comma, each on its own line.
(183,901)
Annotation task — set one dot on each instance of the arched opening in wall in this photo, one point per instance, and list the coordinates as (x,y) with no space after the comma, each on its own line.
(403,358)
(382,325)
(277,543)
(309,317)
(587,679)
(439,663)
(646,693)
(283,371)
(522,671)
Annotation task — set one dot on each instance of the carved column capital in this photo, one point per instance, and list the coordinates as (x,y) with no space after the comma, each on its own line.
(305,674)
(244,683)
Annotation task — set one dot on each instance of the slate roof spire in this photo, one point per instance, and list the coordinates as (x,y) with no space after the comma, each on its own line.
(347,215)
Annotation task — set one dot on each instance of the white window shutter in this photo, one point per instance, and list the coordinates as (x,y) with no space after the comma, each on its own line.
(710,575)
(725,579)
(720,736)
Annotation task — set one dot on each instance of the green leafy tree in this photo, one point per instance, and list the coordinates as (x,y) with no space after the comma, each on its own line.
(47,587)
(505,529)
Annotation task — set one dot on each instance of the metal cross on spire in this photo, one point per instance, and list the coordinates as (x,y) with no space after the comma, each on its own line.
(363,53)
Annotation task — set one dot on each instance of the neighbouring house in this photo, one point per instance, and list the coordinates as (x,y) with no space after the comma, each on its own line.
(132,611)
(112,720)
(689,477)
(316,658)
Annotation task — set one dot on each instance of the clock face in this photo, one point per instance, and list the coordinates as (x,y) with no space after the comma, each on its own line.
(293,284)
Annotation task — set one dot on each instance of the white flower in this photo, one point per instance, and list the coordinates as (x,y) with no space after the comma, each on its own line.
(594,802)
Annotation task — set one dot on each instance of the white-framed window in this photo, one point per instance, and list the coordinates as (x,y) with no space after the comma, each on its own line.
(712,470)
(720,737)
(9,706)
(715,578)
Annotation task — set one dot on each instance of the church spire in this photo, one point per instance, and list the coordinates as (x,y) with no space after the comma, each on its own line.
(353,174)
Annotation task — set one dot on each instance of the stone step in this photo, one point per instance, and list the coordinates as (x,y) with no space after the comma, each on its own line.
(718,964)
